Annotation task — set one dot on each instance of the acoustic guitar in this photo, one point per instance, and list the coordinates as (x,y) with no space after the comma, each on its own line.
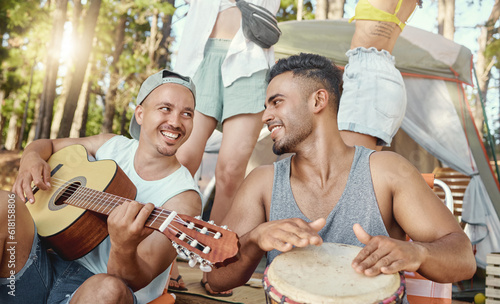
(71,216)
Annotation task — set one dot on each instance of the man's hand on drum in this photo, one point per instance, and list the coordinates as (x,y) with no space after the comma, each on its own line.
(285,234)
(383,254)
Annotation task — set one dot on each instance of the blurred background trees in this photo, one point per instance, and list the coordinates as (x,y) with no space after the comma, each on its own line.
(74,67)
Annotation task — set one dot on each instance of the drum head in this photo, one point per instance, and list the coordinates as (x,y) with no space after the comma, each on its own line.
(324,275)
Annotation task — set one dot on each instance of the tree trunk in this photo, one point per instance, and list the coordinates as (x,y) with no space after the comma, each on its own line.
(80,120)
(26,107)
(446,18)
(80,68)
(13,130)
(300,9)
(336,9)
(123,121)
(52,65)
(31,134)
(2,117)
(114,81)
(153,42)
(321,9)
(483,64)
(75,37)
(166,40)
(85,115)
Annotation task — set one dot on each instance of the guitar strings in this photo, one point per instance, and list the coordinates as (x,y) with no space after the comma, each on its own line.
(157,212)
(115,197)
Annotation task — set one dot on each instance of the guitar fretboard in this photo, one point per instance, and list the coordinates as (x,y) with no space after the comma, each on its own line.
(104,203)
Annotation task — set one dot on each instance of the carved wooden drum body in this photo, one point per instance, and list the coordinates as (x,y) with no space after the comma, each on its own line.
(324,275)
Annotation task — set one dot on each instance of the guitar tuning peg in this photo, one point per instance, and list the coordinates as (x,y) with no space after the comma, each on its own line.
(198,217)
(211,222)
(217,235)
(192,262)
(190,225)
(181,254)
(224,227)
(204,230)
(205,267)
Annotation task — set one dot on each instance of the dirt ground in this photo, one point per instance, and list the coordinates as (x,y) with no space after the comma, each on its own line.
(9,166)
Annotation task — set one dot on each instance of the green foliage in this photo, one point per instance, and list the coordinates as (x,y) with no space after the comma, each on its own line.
(493,50)
(288,10)
(94,120)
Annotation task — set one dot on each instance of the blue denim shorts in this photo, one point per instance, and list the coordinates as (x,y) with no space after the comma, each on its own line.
(246,95)
(45,278)
(373,100)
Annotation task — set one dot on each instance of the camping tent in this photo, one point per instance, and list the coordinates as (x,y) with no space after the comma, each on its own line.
(438,117)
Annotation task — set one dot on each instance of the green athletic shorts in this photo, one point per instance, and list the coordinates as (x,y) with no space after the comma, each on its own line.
(246,95)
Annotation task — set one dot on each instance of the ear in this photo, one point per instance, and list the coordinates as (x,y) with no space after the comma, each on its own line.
(139,113)
(320,98)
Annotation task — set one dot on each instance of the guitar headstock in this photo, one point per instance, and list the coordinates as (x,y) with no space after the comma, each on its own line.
(203,242)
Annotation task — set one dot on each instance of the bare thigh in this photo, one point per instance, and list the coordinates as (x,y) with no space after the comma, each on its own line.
(16,233)
(191,152)
(240,134)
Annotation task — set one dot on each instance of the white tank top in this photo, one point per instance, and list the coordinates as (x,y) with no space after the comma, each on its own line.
(225,4)
(122,151)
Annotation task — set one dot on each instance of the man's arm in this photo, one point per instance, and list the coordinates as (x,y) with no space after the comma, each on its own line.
(34,167)
(139,254)
(248,217)
(440,250)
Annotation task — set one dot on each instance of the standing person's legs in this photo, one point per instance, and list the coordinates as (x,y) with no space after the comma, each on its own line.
(190,155)
(374,34)
(240,134)
(191,152)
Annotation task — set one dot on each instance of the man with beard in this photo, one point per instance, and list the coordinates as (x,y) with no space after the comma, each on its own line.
(132,264)
(331,192)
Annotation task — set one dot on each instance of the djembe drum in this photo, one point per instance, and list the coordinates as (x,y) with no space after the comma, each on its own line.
(324,275)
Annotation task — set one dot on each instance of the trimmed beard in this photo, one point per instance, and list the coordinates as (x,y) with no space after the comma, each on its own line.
(287,145)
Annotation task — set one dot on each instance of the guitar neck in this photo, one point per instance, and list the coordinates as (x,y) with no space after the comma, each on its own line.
(104,203)
(190,236)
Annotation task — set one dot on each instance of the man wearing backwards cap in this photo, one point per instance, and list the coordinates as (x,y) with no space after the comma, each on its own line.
(132,264)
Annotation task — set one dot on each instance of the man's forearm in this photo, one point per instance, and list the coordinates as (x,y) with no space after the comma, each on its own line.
(449,259)
(42,147)
(130,268)
(239,272)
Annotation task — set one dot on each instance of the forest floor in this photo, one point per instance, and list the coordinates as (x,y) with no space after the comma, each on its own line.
(9,166)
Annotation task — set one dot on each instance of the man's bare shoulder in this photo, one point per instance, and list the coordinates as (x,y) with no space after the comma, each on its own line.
(187,202)
(261,174)
(259,182)
(388,160)
(392,167)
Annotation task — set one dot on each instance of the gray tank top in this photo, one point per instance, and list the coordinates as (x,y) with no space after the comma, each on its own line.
(356,205)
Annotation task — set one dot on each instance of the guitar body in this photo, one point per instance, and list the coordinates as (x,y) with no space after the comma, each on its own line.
(71,231)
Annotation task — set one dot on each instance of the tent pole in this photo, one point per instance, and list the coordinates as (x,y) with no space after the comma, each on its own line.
(491,143)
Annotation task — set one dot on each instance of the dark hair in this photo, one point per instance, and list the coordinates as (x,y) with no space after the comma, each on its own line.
(314,67)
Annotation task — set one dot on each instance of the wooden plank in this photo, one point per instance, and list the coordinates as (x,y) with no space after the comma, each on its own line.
(492,270)
(493,259)
(493,281)
(492,293)
(492,301)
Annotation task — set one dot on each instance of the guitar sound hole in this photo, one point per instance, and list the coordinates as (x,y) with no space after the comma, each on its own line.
(66,193)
